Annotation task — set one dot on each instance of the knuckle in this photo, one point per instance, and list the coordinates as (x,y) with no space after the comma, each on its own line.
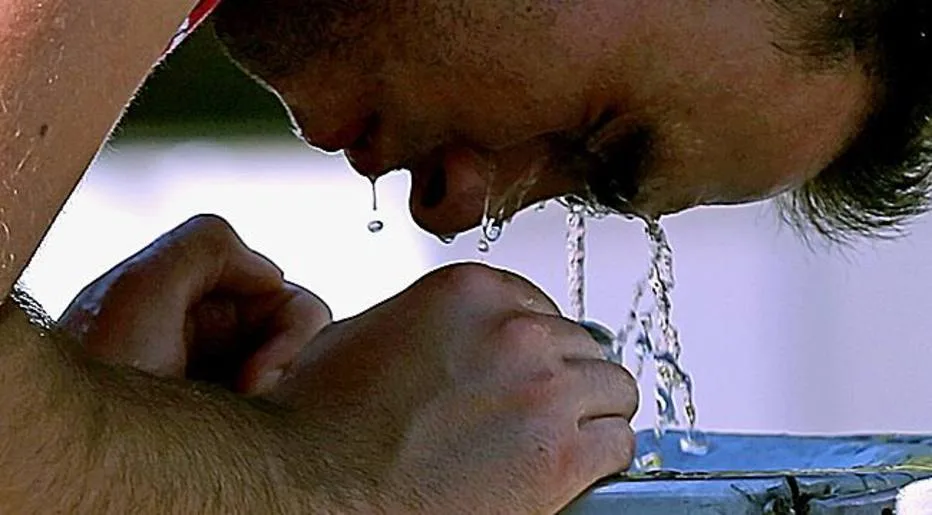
(628,387)
(627,448)
(211,235)
(523,332)
(209,225)
(208,222)
(461,277)
(585,340)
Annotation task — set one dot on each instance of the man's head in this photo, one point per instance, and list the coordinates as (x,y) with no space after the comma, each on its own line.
(650,106)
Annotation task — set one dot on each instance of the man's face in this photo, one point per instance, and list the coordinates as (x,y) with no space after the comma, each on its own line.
(679,102)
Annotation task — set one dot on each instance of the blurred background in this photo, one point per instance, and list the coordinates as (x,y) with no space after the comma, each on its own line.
(778,337)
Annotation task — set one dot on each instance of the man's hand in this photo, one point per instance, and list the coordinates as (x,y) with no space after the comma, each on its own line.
(467,393)
(197,303)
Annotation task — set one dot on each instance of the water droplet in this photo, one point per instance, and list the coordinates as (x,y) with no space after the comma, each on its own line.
(375,194)
(375,226)
(649,328)
(491,225)
(493,230)
(542,205)
(447,239)
(648,462)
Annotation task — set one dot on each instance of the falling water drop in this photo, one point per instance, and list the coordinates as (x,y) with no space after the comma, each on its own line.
(375,225)
(694,443)
(447,239)
(484,243)
(492,229)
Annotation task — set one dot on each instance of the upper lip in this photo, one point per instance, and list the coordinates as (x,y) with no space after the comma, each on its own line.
(353,134)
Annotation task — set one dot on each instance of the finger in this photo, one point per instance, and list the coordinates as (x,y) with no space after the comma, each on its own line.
(205,255)
(606,447)
(293,326)
(575,342)
(490,289)
(528,295)
(603,388)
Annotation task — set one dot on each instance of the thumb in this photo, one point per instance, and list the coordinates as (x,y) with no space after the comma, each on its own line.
(300,316)
(205,255)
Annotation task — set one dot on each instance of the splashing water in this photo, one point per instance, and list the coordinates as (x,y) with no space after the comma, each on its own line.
(576,259)
(499,210)
(650,331)
(375,225)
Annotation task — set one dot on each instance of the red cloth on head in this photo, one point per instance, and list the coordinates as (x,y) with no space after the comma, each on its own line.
(200,12)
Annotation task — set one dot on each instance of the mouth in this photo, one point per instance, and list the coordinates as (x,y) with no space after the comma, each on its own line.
(429,200)
(451,184)
(449,190)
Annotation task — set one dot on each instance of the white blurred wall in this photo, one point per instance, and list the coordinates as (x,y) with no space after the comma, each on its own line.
(779,338)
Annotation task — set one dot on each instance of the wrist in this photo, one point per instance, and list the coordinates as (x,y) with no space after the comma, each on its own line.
(105,439)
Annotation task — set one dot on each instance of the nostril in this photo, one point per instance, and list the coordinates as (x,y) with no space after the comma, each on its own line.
(436,188)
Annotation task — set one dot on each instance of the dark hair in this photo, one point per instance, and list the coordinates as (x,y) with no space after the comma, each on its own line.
(883,177)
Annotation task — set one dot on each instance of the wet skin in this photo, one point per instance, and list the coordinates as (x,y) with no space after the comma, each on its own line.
(681,103)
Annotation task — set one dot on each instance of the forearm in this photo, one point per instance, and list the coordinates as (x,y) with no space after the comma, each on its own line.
(79,436)
(67,70)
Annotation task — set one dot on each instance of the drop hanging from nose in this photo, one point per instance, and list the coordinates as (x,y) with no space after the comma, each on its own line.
(375,225)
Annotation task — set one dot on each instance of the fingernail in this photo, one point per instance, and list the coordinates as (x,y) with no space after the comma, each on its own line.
(269,381)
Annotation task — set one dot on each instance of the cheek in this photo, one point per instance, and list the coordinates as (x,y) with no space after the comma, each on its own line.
(504,77)
(748,148)
(696,165)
